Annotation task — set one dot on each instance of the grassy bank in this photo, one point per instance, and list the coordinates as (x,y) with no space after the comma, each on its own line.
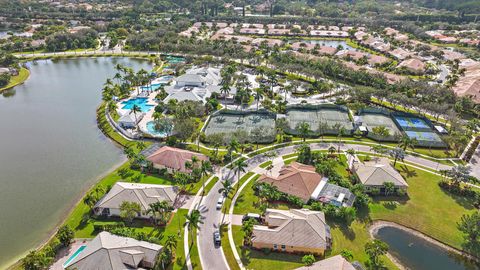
(22,76)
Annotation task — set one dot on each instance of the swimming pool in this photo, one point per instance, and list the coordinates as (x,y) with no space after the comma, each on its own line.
(156,133)
(74,255)
(140,102)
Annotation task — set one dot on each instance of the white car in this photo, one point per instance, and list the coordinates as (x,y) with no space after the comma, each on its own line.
(220,202)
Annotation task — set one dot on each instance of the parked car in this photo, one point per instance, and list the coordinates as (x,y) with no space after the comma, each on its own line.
(220,202)
(256,217)
(217,239)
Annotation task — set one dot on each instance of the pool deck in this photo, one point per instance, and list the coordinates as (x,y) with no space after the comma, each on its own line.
(65,253)
(148,115)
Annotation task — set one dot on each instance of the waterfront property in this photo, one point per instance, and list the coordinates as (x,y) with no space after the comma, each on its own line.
(111,252)
(143,194)
(294,230)
(375,173)
(173,159)
(141,102)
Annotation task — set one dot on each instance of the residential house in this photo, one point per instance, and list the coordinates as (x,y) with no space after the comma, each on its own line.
(375,173)
(333,263)
(304,182)
(173,159)
(111,252)
(294,230)
(413,65)
(143,194)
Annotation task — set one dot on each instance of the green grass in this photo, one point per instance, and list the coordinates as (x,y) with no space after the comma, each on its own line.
(22,76)
(289,156)
(211,184)
(227,250)
(435,212)
(354,239)
(194,256)
(228,201)
(266,164)
(254,259)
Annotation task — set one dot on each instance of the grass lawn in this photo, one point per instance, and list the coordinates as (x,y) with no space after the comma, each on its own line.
(228,201)
(265,164)
(354,239)
(211,184)
(254,259)
(194,257)
(227,250)
(428,204)
(22,76)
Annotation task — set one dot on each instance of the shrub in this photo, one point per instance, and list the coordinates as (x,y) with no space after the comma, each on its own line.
(308,260)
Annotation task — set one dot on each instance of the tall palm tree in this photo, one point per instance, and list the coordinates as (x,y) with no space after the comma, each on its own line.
(205,169)
(136,109)
(225,90)
(303,129)
(239,166)
(225,190)
(407,142)
(194,219)
(258,95)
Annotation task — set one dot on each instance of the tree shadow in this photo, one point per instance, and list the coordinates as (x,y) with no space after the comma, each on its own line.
(404,170)
(464,201)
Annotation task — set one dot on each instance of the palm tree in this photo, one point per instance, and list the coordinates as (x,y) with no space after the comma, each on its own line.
(193,221)
(389,188)
(225,190)
(136,109)
(239,166)
(258,95)
(225,90)
(205,169)
(303,128)
(232,147)
(341,132)
(407,142)
(247,229)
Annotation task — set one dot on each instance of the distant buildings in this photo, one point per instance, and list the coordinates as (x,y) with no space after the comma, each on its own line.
(294,230)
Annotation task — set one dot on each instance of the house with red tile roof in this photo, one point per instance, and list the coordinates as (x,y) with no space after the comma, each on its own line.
(173,159)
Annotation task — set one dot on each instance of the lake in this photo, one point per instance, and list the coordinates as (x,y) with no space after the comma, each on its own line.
(415,253)
(51,148)
(326,42)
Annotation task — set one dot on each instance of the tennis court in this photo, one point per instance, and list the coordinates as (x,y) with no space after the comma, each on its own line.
(372,120)
(424,136)
(411,123)
(332,119)
(229,123)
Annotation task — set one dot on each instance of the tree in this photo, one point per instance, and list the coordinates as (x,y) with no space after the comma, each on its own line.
(65,235)
(407,142)
(129,210)
(470,226)
(247,229)
(374,250)
(347,254)
(239,166)
(381,131)
(258,95)
(205,169)
(397,154)
(459,173)
(36,260)
(136,110)
(193,221)
(303,129)
(341,132)
(389,188)
(308,260)
(160,211)
(304,154)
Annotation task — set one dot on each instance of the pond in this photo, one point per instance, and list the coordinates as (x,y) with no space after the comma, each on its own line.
(51,148)
(416,253)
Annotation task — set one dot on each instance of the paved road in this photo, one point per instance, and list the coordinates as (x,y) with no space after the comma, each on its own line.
(213,258)
(475,163)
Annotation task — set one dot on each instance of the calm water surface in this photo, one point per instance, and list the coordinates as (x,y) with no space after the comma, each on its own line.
(418,254)
(50,147)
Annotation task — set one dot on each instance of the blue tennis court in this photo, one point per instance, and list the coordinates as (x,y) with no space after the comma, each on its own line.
(411,122)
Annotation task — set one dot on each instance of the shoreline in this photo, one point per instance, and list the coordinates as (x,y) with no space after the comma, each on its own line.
(8,87)
(378,224)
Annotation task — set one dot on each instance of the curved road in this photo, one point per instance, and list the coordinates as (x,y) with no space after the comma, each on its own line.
(213,258)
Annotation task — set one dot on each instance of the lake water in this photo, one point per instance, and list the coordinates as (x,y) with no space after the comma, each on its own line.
(51,148)
(418,254)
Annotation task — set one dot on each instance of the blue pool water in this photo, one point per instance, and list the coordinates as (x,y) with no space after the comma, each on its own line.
(140,102)
(152,87)
(74,255)
(411,122)
(151,130)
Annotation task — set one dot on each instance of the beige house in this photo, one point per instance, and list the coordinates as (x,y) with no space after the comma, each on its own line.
(333,263)
(413,65)
(112,252)
(374,173)
(173,159)
(143,194)
(294,230)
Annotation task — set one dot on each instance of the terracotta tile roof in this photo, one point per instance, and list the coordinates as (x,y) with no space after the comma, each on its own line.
(174,158)
(413,64)
(295,179)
